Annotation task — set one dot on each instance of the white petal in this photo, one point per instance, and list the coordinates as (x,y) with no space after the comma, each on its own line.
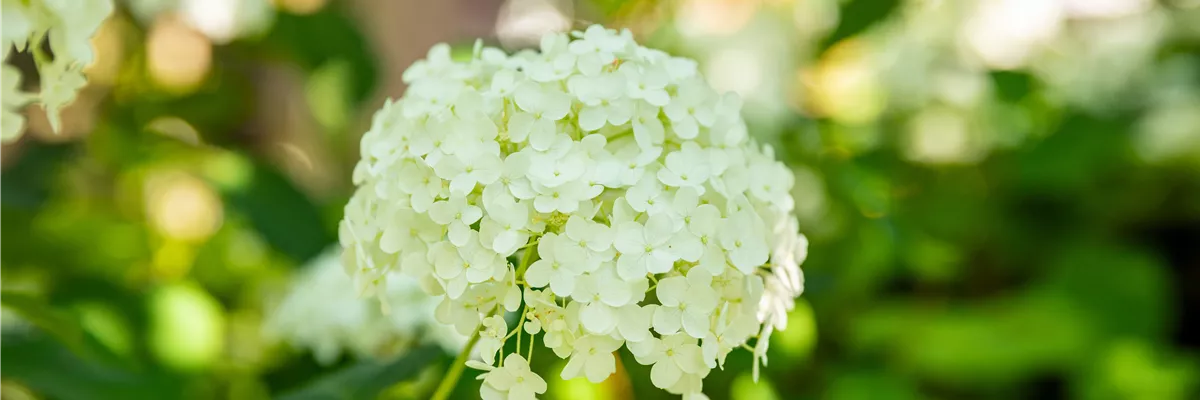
(631,266)
(629,238)
(542,135)
(646,351)
(557,105)
(506,242)
(660,261)
(690,359)
(441,212)
(695,324)
(686,128)
(471,214)
(462,184)
(521,392)
(620,111)
(487,392)
(544,204)
(675,111)
(686,246)
(538,274)
(573,368)
(455,287)
(393,239)
(592,118)
(448,268)
(657,97)
(477,274)
(459,234)
(615,293)
(747,259)
(665,373)
(659,229)
(519,126)
(598,318)
(599,367)
(512,299)
(671,290)
(562,284)
(713,260)
(633,323)
(667,320)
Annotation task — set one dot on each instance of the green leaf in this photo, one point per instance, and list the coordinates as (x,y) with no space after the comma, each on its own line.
(46,367)
(285,216)
(57,323)
(1125,291)
(982,344)
(27,182)
(867,384)
(325,36)
(367,379)
(858,16)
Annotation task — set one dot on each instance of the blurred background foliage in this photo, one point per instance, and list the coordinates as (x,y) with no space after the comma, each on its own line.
(1002,196)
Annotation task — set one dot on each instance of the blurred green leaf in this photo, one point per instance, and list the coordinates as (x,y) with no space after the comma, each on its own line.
(745,388)
(367,379)
(58,323)
(45,366)
(858,15)
(1125,292)
(67,327)
(326,91)
(854,385)
(932,260)
(284,215)
(325,36)
(984,344)
(1012,86)
(1136,370)
(1083,154)
(26,184)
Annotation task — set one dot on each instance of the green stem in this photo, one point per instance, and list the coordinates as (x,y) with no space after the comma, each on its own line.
(456,369)
(529,358)
(518,352)
(35,47)
(526,259)
(460,363)
(620,135)
(519,325)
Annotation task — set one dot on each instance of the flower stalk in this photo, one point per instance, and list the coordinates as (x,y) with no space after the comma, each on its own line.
(446,386)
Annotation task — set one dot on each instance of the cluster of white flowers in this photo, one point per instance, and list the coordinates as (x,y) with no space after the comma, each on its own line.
(322,313)
(601,188)
(68,25)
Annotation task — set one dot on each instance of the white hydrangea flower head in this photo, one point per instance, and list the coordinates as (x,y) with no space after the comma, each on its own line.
(599,187)
(68,26)
(323,313)
(13,100)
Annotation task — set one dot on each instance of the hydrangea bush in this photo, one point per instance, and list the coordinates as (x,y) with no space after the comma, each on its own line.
(68,26)
(599,189)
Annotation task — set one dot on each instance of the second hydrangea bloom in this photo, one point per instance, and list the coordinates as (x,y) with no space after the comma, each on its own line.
(600,188)
(68,25)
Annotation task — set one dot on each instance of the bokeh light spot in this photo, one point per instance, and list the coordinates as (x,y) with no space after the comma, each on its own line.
(182,207)
(187,326)
(179,58)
